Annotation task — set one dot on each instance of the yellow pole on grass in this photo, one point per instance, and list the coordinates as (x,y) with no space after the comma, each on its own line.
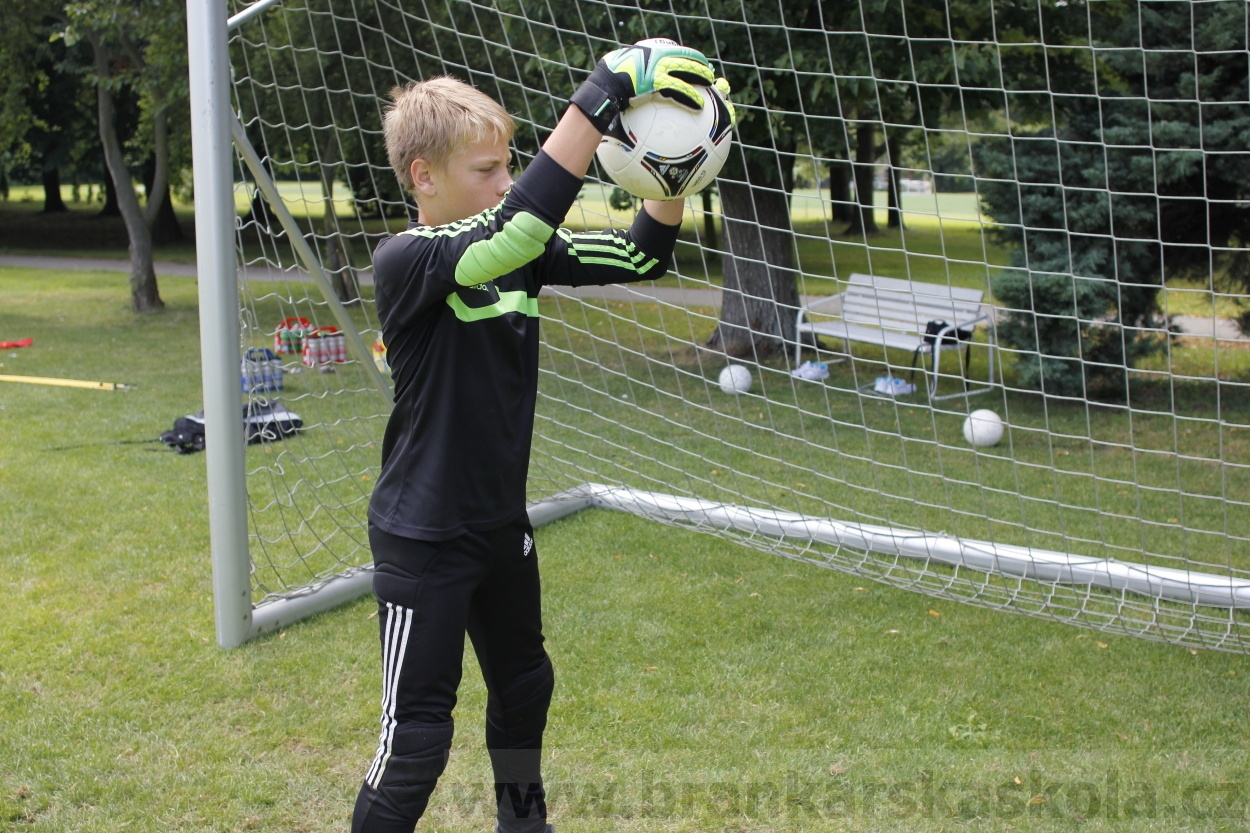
(66,383)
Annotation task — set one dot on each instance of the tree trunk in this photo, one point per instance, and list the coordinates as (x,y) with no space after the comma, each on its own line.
(159,211)
(259,217)
(709,221)
(840,190)
(144,295)
(895,214)
(52,202)
(760,294)
(164,225)
(110,208)
(335,262)
(165,228)
(864,221)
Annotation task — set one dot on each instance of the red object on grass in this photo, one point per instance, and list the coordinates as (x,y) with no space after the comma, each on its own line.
(9,345)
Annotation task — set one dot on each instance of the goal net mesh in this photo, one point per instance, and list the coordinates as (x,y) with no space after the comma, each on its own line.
(1078,169)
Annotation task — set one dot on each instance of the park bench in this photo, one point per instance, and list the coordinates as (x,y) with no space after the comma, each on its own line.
(894,313)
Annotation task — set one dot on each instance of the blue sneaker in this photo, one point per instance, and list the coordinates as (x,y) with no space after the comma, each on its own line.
(812,371)
(891,386)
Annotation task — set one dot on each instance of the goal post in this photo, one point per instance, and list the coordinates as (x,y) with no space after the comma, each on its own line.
(969,156)
(216,269)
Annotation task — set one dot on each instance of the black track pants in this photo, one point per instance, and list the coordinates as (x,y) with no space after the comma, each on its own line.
(430,593)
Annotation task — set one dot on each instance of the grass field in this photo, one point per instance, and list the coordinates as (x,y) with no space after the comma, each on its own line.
(701,686)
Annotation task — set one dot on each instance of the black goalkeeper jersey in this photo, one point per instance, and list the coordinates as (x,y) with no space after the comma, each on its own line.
(458,305)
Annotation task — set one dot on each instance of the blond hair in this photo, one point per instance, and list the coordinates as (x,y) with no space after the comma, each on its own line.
(434,119)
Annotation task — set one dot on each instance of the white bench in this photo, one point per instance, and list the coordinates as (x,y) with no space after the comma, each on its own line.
(895,313)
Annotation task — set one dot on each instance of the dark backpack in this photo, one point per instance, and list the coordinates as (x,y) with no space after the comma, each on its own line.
(187,436)
(932,329)
(266,421)
(263,421)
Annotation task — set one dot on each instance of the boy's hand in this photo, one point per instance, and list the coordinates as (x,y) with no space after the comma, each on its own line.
(722,84)
(657,65)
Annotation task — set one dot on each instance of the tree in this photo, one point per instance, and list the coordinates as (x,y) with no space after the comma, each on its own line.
(16,50)
(758,260)
(1110,199)
(863,217)
(120,35)
(1204,176)
(905,70)
(44,120)
(832,76)
(1086,273)
(57,124)
(164,121)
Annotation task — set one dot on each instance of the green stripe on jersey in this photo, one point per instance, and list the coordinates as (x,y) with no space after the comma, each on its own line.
(515,301)
(455,228)
(522,238)
(606,249)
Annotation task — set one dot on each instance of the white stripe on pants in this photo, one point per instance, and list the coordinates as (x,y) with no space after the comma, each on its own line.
(398,623)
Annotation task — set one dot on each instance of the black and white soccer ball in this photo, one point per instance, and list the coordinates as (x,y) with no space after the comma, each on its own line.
(661,150)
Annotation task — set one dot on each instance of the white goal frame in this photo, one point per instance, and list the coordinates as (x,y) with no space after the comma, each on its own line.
(886,552)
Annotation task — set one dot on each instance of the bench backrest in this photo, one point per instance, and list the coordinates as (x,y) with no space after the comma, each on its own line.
(906,306)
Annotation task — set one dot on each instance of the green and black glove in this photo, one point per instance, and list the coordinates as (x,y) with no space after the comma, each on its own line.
(656,65)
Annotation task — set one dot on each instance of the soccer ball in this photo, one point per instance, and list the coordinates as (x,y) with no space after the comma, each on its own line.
(660,150)
(983,428)
(735,379)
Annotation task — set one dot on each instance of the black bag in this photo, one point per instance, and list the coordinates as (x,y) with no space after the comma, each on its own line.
(187,436)
(268,421)
(262,422)
(951,339)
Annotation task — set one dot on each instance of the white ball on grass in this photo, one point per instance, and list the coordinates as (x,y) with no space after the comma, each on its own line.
(735,379)
(983,428)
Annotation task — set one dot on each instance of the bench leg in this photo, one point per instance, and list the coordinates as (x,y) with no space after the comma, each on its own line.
(965,362)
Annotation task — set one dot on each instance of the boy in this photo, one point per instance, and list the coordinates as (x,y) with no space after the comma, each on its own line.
(457,298)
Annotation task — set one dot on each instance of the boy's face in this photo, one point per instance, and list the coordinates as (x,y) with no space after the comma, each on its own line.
(475,179)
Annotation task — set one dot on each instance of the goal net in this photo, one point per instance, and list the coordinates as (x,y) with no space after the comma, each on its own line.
(1061,184)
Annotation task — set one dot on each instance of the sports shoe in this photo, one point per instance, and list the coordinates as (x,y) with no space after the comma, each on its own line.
(891,386)
(813,371)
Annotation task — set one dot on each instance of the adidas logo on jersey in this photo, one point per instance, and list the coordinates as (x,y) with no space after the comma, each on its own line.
(527,546)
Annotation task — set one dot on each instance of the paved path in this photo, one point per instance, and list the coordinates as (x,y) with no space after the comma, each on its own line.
(1223,329)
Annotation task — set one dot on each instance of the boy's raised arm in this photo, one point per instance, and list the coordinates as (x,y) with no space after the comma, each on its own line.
(572,144)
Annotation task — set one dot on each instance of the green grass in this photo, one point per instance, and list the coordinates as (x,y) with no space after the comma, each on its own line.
(1189,297)
(825,449)
(701,686)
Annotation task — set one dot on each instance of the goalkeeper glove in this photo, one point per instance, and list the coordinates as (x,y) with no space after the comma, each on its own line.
(657,65)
